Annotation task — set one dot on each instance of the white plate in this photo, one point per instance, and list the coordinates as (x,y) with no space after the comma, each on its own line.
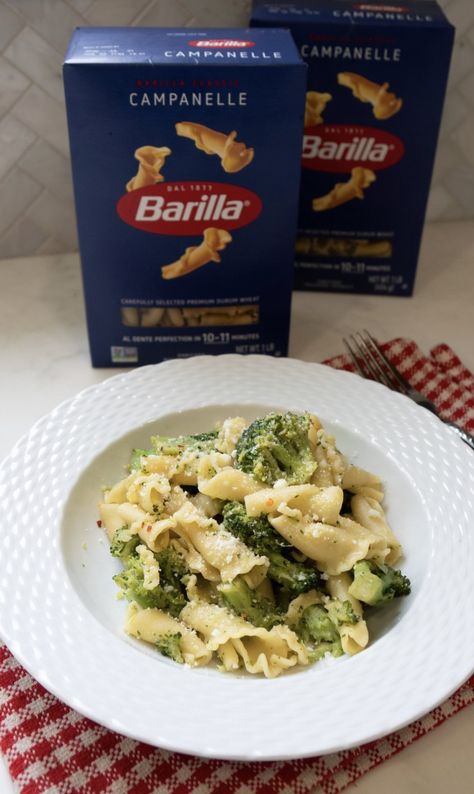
(58,609)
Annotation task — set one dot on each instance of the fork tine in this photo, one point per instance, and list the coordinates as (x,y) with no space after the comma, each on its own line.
(370,361)
(354,358)
(368,358)
(402,382)
(378,372)
(363,360)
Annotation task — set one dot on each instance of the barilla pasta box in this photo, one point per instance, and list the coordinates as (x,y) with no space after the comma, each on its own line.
(376,83)
(185,150)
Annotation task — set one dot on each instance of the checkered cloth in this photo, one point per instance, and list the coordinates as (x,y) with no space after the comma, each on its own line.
(51,748)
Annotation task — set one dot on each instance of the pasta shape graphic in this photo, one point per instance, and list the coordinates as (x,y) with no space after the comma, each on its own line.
(342,192)
(151,160)
(315,107)
(384,103)
(223,564)
(343,247)
(234,155)
(236,314)
(196,256)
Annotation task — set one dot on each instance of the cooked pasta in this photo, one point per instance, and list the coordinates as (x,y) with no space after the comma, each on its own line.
(257,546)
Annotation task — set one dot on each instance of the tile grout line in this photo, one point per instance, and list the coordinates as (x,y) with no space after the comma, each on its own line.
(26,23)
(19,69)
(27,206)
(40,136)
(16,163)
(461,154)
(141,14)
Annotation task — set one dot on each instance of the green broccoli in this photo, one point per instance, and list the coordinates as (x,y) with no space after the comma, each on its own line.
(200,442)
(376,584)
(173,568)
(122,545)
(135,460)
(169,595)
(340,612)
(175,446)
(259,535)
(316,629)
(169,645)
(277,447)
(244,601)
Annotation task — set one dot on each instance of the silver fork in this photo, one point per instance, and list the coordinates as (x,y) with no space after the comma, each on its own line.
(371,362)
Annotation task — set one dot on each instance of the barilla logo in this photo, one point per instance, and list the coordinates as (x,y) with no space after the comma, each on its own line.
(187,208)
(381,8)
(342,147)
(221,43)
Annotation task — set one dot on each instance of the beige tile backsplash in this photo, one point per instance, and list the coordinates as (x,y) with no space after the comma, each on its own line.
(36,201)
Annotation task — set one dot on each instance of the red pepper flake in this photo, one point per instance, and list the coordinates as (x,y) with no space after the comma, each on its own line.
(99,523)
(148,529)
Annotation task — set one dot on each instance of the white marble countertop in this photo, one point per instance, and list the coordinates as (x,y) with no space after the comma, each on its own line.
(44,357)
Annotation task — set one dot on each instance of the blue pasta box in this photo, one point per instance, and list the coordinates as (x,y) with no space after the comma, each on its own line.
(377,74)
(185,148)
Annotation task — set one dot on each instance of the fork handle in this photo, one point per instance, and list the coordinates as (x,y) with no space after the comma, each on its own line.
(463,434)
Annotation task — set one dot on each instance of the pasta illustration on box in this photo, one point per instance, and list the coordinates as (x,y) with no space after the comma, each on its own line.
(151,159)
(198,255)
(361,178)
(234,156)
(257,546)
(384,103)
(315,106)
(203,316)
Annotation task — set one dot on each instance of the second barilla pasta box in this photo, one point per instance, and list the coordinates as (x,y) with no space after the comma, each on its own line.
(376,84)
(185,149)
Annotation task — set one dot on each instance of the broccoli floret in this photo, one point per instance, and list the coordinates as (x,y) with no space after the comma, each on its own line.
(277,447)
(315,625)
(340,612)
(259,535)
(173,568)
(248,604)
(169,645)
(135,460)
(316,629)
(294,577)
(169,595)
(200,442)
(376,584)
(122,545)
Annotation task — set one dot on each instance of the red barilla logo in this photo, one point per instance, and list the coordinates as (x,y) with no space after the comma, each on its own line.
(187,208)
(342,147)
(388,9)
(219,44)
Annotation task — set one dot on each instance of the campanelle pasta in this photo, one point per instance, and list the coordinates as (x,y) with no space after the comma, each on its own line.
(257,546)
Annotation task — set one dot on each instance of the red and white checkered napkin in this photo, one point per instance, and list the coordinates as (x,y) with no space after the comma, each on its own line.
(51,748)
(441,377)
